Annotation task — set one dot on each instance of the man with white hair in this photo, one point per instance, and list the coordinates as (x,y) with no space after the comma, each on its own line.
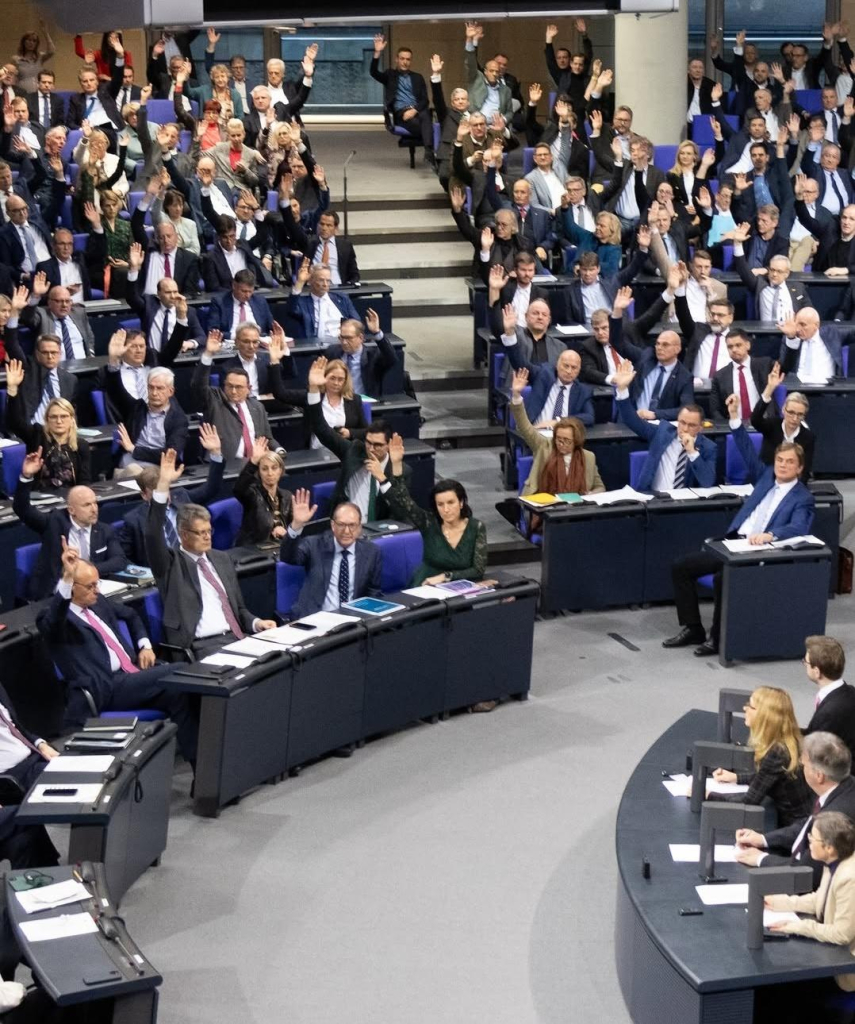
(811,350)
(292,95)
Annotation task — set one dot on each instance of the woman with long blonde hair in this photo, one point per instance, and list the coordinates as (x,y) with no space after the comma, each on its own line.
(775,738)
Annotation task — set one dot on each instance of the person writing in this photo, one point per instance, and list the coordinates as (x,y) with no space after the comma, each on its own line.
(267,506)
(775,738)
(455,543)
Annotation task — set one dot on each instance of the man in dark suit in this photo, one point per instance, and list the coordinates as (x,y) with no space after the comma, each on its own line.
(326,248)
(340,565)
(404,94)
(836,235)
(28,134)
(163,257)
(603,353)
(194,187)
(230,256)
(559,133)
(834,704)
(45,106)
(96,101)
(590,290)
(570,71)
(639,180)
(733,148)
(766,183)
(61,318)
(77,525)
(166,319)
(705,344)
(293,94)
(320,311)
(662,385)
(25,239)
(238,417)
(780,507)
(836,189)
(811,349)
(790,426)
(258,363)
(240,305)
(132,530)
(203,607)
(367,367)
(518,291)
(534,223)
(83,632)
(354,483)
(67,267)
(44,377)
(776,298)
(448,116)
(744,376)
(826,761)
(703,95)
(129,93)
(255,118)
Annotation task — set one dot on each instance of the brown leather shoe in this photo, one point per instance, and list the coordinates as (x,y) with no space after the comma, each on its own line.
(483,705)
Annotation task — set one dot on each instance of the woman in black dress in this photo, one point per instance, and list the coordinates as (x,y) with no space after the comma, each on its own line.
(266,505)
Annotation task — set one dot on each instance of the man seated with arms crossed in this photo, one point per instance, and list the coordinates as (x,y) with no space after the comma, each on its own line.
(826,761)
(355,483)
(778,508)
(83,634)
(340,565)
(203,607)
(834,703)
(677,456)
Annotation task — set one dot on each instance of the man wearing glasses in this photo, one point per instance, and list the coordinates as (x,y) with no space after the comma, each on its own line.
(340,565)
(355,484)
(367,367)
(203,608)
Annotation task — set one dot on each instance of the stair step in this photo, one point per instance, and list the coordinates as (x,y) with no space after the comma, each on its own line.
(403,234)
(430,307)
(427,269)
(401,201)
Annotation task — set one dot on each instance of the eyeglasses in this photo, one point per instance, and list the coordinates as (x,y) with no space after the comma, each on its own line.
(563,440)
(199,533)
(91,587)
(346,527)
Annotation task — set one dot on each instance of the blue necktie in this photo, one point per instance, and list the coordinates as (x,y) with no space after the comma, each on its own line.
(30,247)
(558,408)
(657,388)
(90,103)
(834,125)
(832,175)
(66,339)
(344,577)
(243,232)
(46,115)
(169,530)
(50,388)
(164,333)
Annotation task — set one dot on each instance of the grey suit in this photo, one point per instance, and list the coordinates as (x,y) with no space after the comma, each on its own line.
(219,412)
(315,555)
(40,320)
(250,158)
(478,87)
(537,180)
(525,345)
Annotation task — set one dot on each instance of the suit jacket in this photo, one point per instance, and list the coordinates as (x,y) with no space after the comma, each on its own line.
(758,282)
(134,412)
(217,274)
(678,391)
(834,337)
(308,243)
(572,294)
(506,296)
(826,230)
(575,155)
(32,389)
(704,96)
(794,515)
(51,269)
(693,334)
(262,366)
(779,185)
(316,555)
(222,312)
(177,577)
(248,157)
(35,103)
(813,170)
(258,518)
(219,412)
(105,552)
(374,362)
(539,188)
(191,189)
(542,448)
(539,224)
(147,307)
(132,531)
(724,383)
(352,454)
(478,87)
(655,177)
(596,366)
(302,308)
(836,714)
(450,121)
(40,321)
(185,266)
(12,250)
(772,429)
(542,376)
(107,93)
(699,473)
(525,346)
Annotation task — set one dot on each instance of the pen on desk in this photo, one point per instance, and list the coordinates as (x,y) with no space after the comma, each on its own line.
(75,874)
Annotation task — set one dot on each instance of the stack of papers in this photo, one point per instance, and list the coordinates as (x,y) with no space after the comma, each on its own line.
(678,785)
(428,593)
(721,895)
(771,917)
(232,660)
(110,587)
(623,494)
(572,330)
(49,896)
(250,647)
(64,927)
(742,544)
(97,763)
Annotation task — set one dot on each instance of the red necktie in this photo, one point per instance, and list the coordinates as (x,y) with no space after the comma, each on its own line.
(743,395)
(523,212)
(325,255)
(615,357)
(167,268)
(242,313)
(16,732)
(244,429)
(225,604)
(714,360)
(125,663)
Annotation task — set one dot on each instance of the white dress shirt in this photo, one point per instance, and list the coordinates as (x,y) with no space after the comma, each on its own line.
(581,214)
(47,397)
(703,359)
(546,413)
(64,590)
(156,270)
(663,478)
(75,336)
(248,316)
(695,105)
(12,750)
(697,299)
(753,394)
(251,367)
(815,361)
(824,691)
(650,383)
(134,380)
(776,303)
(69,274)
(236,259)
(331,260)
(334,416)
(327,316)
(521,300)
(555,186)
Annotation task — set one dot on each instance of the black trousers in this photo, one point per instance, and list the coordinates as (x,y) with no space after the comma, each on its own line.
(685,573)
(420,126)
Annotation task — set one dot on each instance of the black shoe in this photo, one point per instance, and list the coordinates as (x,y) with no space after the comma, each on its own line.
(344,751)
(706,648)
(687,636)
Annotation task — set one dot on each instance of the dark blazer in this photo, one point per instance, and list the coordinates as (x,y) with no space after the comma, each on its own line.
(222,312)
(316,555)
(793,517)
(539,224)
(40,321)
(826,230)
(693,334)
(35,103)
(33,436)
(541,378)
(34,376)
(389,80)
(772,429)
(834,337)
(12,251)
(146,307)
(576,151)
(575,308)
(132,532)
(217,274)
(177,578)
(262,366)
(191,189)
(506,296)
(595,365)
(678,391)
(218,411)
(374,361)
(185,266)
(51,269)
(655,177)
(813,170)
(352,454)
(724,384)
(134,411)
(450,121)
(704,96)
(309,244)
(780,186)
(263,243)
(107,93)
(699,473)
(257,522)
(757,282)
(105,551)
(836,714)
(301,307)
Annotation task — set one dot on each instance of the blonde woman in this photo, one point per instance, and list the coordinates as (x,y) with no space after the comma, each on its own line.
(604,240)
(683,175)
(266,504)
(342,409)
(98,171)
(775,737)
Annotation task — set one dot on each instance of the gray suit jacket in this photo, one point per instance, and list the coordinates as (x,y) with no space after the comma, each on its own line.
(554,348)
(478,87)
(219,412)
(538,184)
(38,319)
(250,159)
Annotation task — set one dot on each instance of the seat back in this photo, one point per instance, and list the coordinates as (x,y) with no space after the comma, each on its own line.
(321,495)
(664,157)
(100,404)
(512,423)
(366,410)
(26,557)
(401,554)
(636,462)
(226,516)
(289,580)
(13,460)
(154,613)
(161,111)
(528,159)
(735,470)
(523,469)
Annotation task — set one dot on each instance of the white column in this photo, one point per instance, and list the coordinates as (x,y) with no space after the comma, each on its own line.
(651,52)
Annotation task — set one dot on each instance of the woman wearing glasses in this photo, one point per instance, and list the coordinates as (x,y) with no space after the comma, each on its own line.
(775,737)
(65,457)
(267,506)
(792,425)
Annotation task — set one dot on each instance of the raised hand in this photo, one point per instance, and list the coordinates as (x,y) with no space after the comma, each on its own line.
(396,450)
(372,320)
(209,438)
(69,558)
(740,182)
(169,472)
(14,375)
(788,327)
(145,94)
(519,381)
(487,239)
(623,298)
(135,256)
(214,342)
(436,64)
(259,448)
(40,283)
(715,46)
(509,320)
(213,38)
(733,407)
(458,199)
(33,463)
(716,92)
(775,378)
(498,277)
(740,38)
(704,198)
(301,509)
(124,438)
(375,467)
(19,300)
(116,347)
(674,278)
(551,32)
(379,44)
(303,272)
(605,79)
(535,91)
(562,110)
(617,150)
(816,132)
(643,237)
(716,129)
(580,26)
(624,375)
(116,43)
(777,71)
(317,377)
(799,185)
(85,128)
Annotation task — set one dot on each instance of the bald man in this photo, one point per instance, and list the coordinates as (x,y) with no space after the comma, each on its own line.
(77,524)
(811,349)
(163,257)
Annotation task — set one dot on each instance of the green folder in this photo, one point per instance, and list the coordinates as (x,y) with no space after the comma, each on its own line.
(569,496)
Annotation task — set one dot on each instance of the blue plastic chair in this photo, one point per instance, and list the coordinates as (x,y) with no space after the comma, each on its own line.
(161,111)
(226,516)
(528,159)
(401,554)
(321,496)
(154,613)
(100,404)
(366,410)
(26,557)
(131,324)
(289,580)
(524,463)
(13,460)
(405,140)
(74,136)
(636,463)
(735,470)
(664,157)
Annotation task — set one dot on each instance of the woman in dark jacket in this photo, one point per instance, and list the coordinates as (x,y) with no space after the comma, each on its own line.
(266,505)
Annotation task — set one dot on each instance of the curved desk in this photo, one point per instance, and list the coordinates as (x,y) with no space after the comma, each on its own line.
(689,970)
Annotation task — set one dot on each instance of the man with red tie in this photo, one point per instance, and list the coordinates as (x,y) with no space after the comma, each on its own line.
(704,344)
(744,376)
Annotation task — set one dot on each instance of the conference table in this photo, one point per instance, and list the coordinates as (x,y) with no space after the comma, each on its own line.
(367,677)
(689,969)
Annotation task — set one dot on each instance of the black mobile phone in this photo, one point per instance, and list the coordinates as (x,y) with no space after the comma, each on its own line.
(690,912)
(302,625)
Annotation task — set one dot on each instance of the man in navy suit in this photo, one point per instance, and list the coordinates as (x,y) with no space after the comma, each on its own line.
(836,189)
(326,247)
(590,291)
(662,385)
(340,566)
(240,305)
(555,391)
(534,223)
(834,703)
(321,311)
(45,106)
(813,350)
(677,454)
(257,363)
(367,367)
(78,524)
(24,240)
(229,257)
(779,507)
(203,183)
(163,257)
(67,267)
(169,324)
(83,632)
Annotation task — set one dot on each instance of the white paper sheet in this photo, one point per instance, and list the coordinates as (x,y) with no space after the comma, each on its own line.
(324,622)
(623,494)
(64,927)
(690,853)
(743,490)
(722,895)
(232,660)
(7,442)
(810,378)
(771,917)
(792,541)
(109,587)
(98,763)
(287,636)
(250,647)
(49,896)
(738,545)
(681,493)
(427,593)
(705,492)
(571,330)
(675,788)
(724,787)
(86,794)
(129,485)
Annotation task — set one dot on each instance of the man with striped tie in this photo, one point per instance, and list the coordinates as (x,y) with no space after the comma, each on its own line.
(60,318)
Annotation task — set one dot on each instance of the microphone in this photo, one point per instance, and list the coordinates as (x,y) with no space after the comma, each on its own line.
(111,932)
(350,156)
